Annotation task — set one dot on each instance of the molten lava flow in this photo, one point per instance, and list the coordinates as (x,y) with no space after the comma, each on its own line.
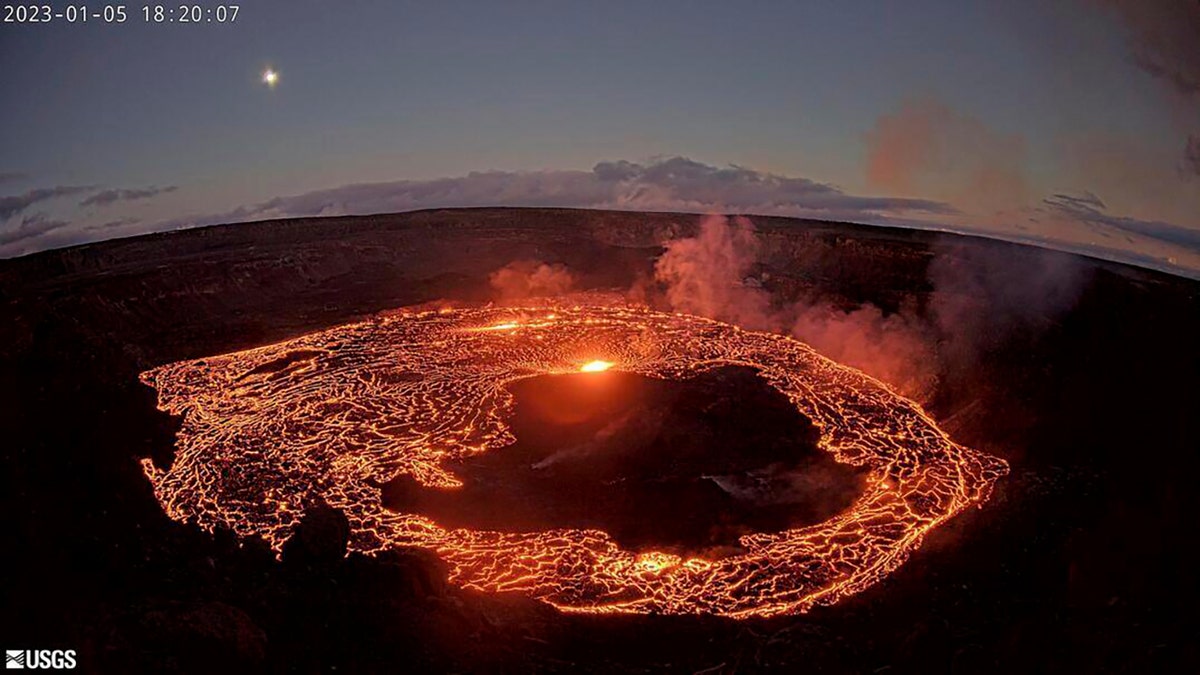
(333,415)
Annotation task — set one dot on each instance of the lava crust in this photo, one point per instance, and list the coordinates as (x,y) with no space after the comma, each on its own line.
(332,416)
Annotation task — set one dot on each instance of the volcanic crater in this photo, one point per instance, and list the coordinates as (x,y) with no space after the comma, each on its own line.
(268,432)
(1076,564)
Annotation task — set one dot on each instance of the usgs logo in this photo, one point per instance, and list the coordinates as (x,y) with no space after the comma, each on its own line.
(54,659)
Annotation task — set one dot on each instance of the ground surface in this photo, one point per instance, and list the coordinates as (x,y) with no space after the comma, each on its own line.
(1078,563)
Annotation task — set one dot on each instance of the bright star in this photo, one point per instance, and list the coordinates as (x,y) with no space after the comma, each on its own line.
(270,77)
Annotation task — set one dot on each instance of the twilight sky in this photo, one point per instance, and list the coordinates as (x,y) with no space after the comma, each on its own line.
(1074,122)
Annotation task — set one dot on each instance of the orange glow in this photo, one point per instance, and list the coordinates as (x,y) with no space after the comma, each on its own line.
(330,416)
(595,366)
(507,325)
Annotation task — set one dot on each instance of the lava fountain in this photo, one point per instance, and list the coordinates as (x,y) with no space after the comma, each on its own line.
(331,416)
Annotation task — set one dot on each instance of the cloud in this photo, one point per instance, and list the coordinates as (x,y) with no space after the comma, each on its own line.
(683,181)
(34,225)
(113,224)
(1090,210)
(1191,156)
(39,232)
(11,206)
(1085,202)
(926,147)
(671,184)
(1162,38)
(12,176)
(667,184)
(1135,178)
(108,197)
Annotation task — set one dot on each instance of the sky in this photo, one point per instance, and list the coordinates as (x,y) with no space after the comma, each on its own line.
(1074,123)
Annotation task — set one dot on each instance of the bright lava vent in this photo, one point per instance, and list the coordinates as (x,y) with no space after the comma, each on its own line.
(595,366)
(333,415)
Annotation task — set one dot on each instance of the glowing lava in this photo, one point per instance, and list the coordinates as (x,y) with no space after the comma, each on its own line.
(333,415)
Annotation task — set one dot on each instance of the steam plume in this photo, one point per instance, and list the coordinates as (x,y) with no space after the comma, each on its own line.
(531,278)
(980,297)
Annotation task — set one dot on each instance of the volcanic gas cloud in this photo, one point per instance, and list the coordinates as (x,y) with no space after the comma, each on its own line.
(333,415)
